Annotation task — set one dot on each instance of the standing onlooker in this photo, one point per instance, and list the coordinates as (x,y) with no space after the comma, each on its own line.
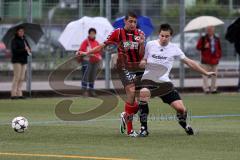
(211,52)
(90,64)
(237,48)
(233,36)
(20,51)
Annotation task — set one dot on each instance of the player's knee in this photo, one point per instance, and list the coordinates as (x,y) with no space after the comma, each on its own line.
(130,89)
(178,106)
(181,110)
(145,94)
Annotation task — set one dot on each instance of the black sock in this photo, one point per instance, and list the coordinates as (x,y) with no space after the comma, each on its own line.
(182,119)
(143,113)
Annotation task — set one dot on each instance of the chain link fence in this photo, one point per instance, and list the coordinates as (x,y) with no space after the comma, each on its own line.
(54,15)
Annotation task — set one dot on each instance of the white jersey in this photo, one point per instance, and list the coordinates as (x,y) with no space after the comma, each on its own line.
(160,60)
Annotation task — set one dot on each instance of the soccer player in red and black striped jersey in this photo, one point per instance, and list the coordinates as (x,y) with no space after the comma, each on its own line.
(130,44)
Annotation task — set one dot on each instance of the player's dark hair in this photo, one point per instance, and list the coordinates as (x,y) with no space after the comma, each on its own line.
(130,14)
(166,27)
(92,30)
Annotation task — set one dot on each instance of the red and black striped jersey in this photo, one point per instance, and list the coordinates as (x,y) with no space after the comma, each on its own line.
(129,53)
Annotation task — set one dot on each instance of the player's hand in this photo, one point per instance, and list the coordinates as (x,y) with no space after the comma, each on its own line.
(211,74)
(142,39)
(81,53)
(143,63)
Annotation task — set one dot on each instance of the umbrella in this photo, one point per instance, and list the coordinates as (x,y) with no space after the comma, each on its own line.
(144,23)
(233,31)
(202,22)
(31,30)
(76,31)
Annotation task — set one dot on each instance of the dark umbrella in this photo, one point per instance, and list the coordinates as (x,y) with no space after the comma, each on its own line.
(31,30)
(144,23)
(233,31)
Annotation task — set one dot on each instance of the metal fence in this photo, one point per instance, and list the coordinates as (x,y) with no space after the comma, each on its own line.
(54,15)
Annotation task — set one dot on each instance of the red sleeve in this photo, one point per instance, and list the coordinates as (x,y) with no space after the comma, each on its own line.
(113,37)
(199,44)
(84,46)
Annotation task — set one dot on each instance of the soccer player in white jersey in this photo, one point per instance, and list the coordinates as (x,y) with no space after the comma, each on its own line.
(158,61)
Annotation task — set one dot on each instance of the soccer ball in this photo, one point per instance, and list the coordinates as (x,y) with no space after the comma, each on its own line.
(19,124)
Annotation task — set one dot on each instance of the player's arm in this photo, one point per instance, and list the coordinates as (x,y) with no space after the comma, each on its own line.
(143,62)
(141,44)
(93,50)
(112,39)
(195,66)
(96,49)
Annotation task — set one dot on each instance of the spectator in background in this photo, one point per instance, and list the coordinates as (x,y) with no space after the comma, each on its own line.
(90,64)
(20,50)
(233,36)
(237,48)
(210,47)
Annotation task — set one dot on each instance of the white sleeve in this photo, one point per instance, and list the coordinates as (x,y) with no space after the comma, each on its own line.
(146,51)
(179,54)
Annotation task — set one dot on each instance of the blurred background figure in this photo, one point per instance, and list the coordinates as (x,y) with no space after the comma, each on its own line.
(210,47)
(233,36)
(90,63)
(237,48)
(20,50)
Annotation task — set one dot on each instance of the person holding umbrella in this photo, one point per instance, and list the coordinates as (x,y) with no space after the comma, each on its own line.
(237,49)
(211,52)
(20,50)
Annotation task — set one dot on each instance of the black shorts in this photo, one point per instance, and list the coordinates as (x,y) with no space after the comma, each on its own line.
(171,97)
(130,77)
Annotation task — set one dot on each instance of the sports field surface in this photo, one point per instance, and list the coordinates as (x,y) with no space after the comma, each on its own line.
(215,117)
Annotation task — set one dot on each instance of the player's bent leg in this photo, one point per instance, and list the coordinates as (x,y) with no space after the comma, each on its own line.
(144,97)
(182,116)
